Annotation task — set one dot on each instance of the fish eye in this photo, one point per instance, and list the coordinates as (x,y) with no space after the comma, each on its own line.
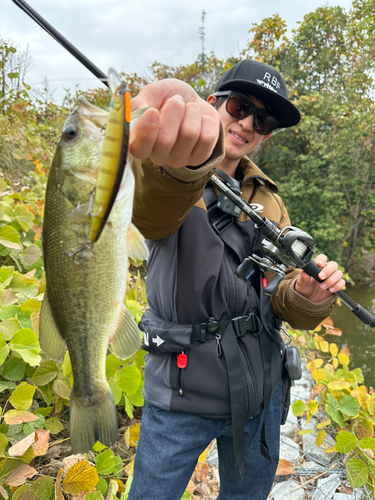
(70,133)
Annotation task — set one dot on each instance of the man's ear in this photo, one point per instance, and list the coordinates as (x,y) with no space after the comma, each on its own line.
(267,136)
(211,99)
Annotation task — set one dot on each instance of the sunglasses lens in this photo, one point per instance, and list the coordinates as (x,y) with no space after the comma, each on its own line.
(240,108)
(264,123)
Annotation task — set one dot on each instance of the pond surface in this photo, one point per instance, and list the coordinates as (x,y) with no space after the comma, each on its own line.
(359,339)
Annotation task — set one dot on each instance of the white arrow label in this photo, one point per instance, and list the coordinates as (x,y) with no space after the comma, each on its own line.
(158,341)
(145,338)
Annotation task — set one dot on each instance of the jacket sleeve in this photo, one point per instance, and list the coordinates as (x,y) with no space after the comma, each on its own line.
(165,195)
(289,305)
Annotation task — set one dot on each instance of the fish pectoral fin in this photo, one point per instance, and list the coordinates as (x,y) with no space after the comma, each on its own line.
(135,243)
(126,340)
(50,339)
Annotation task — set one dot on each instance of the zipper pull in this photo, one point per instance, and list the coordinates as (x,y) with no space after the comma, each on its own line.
(218,345)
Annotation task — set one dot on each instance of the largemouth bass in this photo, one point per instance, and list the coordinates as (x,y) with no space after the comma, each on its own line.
(83,307)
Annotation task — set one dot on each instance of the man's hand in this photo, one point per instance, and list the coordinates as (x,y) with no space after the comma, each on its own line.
(180,129)
(314,291)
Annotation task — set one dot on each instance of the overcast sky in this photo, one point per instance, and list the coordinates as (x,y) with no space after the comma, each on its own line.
(130,34)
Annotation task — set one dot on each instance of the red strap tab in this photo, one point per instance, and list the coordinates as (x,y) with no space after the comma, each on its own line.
(264,282)
(182,360)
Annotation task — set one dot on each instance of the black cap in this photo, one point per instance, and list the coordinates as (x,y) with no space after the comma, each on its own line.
(265,82)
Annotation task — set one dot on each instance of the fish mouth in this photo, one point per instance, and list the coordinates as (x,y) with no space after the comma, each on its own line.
(89,111)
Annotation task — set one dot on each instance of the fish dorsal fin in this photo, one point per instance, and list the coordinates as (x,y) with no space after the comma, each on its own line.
(126,340)
(135,244)
(50,339)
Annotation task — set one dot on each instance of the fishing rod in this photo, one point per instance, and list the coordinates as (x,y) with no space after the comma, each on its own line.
(61,40)
(289,247)
(285,248)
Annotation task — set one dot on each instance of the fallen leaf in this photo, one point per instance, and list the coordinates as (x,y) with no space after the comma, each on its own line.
(284,468)
(334,331)
(201,472)
(203,489)
(40,447)
(19,476)
(58,492)
(71,460)
(18,449)
(190,487)
(13,417)
(327,323)
(4,492)
(368,452)
(112,489)
(80,477)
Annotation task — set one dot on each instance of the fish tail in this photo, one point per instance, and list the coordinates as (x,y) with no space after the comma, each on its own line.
(92,419)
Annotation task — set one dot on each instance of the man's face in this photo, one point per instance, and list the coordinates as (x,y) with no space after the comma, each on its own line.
(240,137)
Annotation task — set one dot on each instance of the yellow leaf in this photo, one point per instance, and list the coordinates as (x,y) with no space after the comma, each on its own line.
(202,456)
(80,477)
(320,438)
(333,349)
(134,435)
(314,364)
(338,385)
(343,359)
(324,346)
(313,406)
(323,424)
(335,363)
(318,338)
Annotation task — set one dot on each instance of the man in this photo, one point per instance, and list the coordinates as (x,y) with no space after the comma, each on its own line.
(216,358)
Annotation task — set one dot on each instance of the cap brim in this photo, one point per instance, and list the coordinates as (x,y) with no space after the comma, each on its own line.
(287,113)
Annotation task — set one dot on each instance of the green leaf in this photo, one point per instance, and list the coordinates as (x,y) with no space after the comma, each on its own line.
(102,486)
(14,369)
(4,350)
(333,401)
(357,472)
(26,344)
(94,495)
(9,327)
(118,465)
(22,396)
(129,408)
(335,415)
(18,283)
(349,406)
(128,379)
(30,255)
(112,363)
(23,217)
(116,391)
(299,408)
(10,238)
(43,487)
(46,372)
(367,443)
(7,312)
(7,386)
(3,443)
(105,462)
(345,442)
(54,425)
(359,375)
(139,358)
(44,411)
(137,398)
(62,387)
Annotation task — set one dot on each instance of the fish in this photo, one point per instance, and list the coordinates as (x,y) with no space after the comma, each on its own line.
(114,154)
(83,306)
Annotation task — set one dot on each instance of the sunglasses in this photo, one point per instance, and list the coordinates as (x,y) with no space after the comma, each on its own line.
(240,107)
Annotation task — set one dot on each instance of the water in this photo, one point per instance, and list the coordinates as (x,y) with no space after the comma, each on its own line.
(359,339)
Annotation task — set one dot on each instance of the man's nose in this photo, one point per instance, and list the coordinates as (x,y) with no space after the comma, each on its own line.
(247,123)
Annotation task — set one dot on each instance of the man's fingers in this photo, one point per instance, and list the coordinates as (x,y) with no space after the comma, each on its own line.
(171,117)
(188,136)
(207,141)
(144,135)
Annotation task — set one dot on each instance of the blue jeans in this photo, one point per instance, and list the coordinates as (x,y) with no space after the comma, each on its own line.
(171,442)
